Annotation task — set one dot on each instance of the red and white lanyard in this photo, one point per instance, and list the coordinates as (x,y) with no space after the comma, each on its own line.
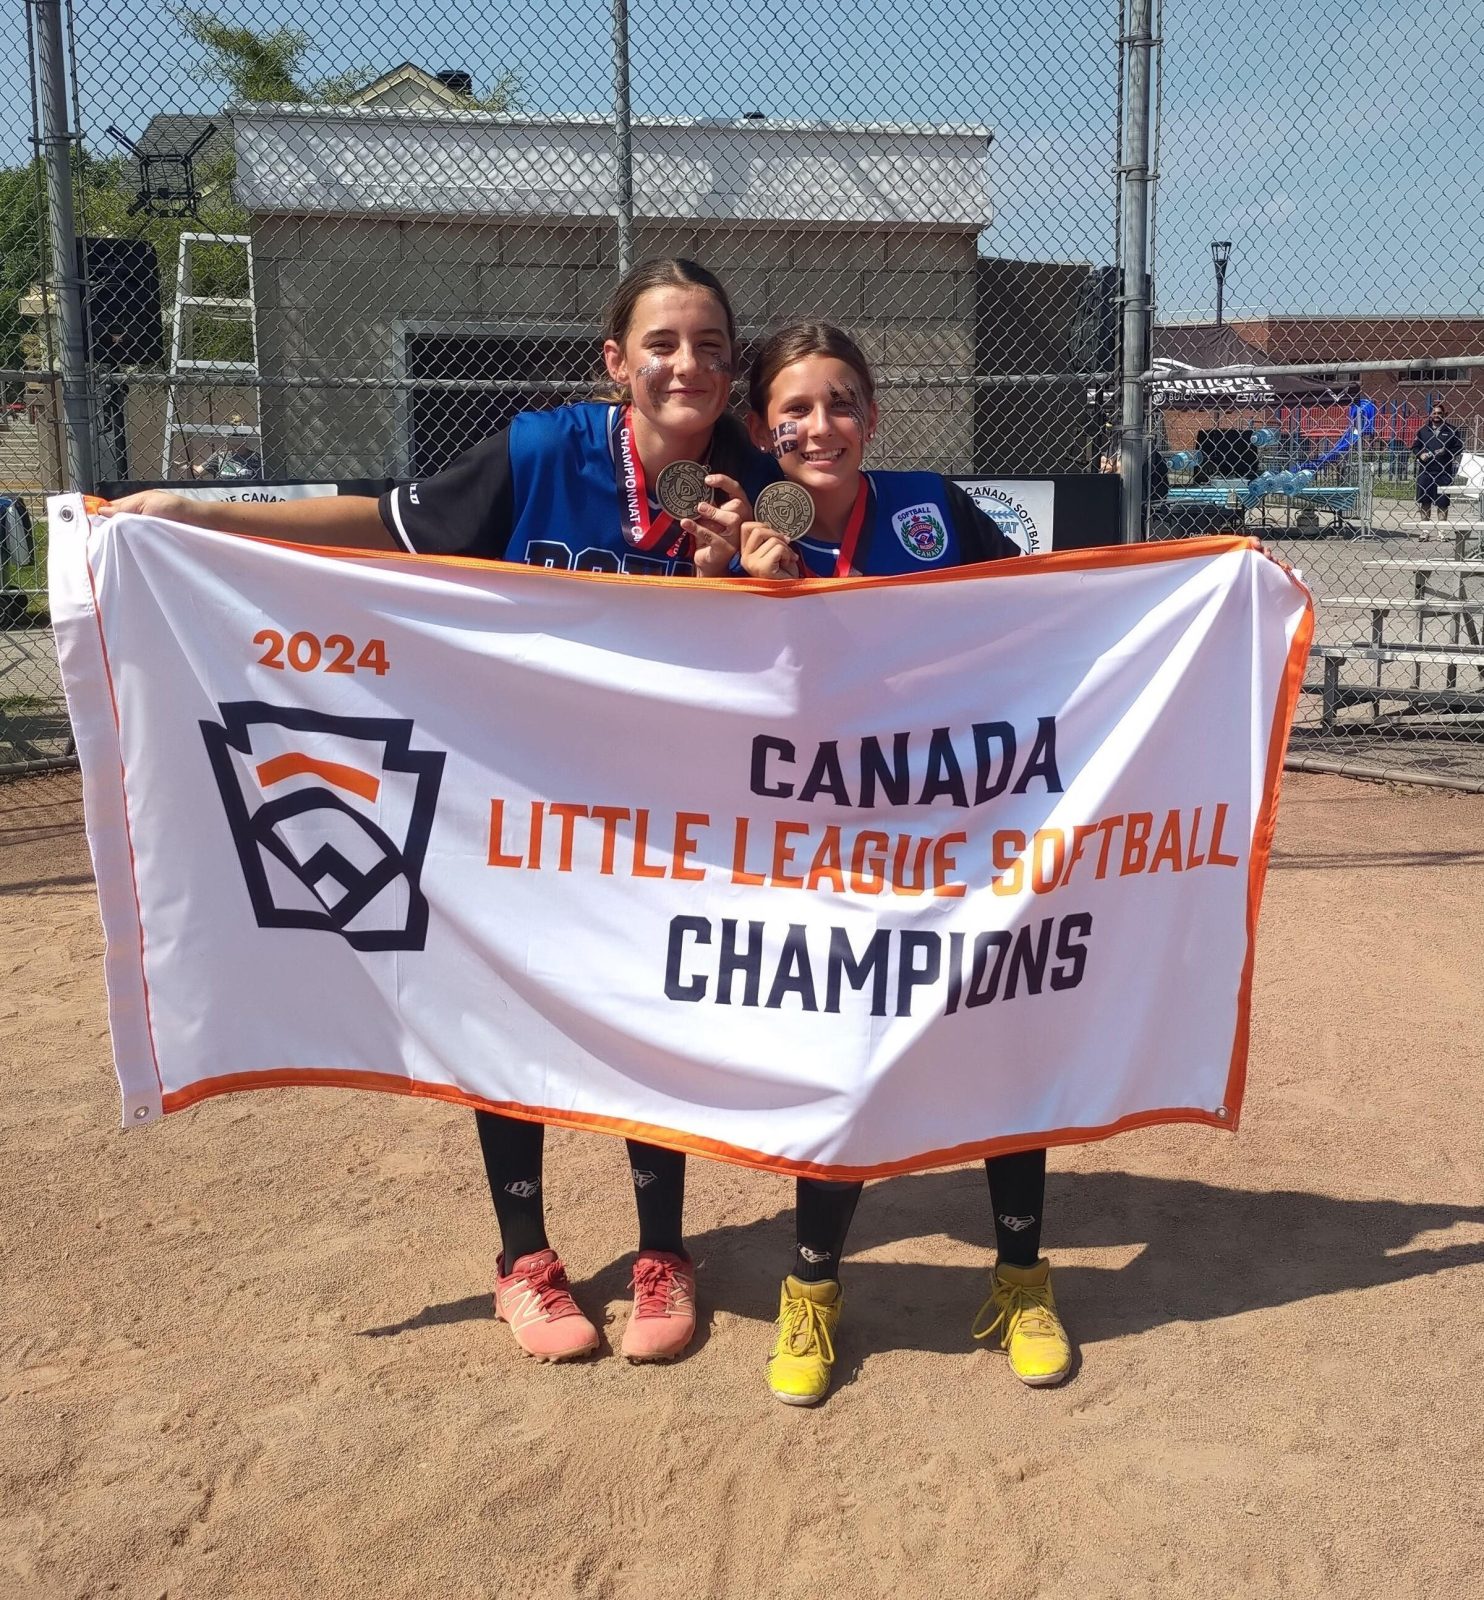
(644,530)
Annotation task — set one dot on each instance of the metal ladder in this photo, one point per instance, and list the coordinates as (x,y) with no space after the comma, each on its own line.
(182,343)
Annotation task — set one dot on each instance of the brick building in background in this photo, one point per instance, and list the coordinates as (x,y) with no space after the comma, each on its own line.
(1417,350)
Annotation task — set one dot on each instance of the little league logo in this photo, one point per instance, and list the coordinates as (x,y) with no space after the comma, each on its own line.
(330,817)
(921,530)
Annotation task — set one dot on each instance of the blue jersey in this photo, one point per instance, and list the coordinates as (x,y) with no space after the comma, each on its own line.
(913,522)
(546,492)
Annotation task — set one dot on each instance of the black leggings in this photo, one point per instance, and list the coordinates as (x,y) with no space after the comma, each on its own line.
(513,1151)
(1017,1196)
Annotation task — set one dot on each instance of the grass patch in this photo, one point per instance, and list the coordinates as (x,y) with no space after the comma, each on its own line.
(23,601)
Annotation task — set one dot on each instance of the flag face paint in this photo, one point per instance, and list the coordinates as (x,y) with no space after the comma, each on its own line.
(894,872)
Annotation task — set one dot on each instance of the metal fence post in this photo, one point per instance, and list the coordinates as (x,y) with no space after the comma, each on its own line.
(57,140)
(1133,443)
(623,136)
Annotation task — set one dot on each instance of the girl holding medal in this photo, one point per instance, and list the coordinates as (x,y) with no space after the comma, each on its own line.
(813,403)
(668,348)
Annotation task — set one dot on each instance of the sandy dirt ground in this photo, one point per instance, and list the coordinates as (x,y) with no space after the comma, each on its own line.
(250,1353)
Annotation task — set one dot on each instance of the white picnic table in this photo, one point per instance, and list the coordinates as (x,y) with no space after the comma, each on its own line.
(1466,612)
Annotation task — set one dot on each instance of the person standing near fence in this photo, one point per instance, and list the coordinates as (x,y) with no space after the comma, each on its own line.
(669,348)
(1438,448)
(812,399)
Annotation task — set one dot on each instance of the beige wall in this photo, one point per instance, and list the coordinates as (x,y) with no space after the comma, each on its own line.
(333,296)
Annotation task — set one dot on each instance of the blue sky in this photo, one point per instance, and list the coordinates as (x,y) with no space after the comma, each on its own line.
(1339,147)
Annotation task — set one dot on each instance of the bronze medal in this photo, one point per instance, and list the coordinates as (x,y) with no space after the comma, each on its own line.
(786,508)
(681,487)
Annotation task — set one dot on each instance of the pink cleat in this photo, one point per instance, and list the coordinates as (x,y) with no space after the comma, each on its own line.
(664,1318)
(535,1300)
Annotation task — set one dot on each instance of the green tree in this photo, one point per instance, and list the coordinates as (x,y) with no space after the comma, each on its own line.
(105,191)
(21,206)
(254,67)
(249,65)
(502,96)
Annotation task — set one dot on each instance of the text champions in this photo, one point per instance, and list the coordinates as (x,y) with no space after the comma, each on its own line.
(822,965)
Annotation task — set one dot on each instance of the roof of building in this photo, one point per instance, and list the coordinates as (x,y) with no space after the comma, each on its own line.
(333,160)
(172,134)
(437,94)
(1266,320)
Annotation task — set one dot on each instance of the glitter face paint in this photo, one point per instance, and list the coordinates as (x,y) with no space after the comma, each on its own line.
(848,401)
(652,376)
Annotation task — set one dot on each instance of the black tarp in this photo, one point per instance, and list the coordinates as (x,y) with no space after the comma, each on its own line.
(1218,353)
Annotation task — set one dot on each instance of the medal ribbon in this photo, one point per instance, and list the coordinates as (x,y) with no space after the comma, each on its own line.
(856,521)
(660,533)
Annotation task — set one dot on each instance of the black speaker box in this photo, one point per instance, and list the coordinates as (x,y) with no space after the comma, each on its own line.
(123,316)
(1226,453)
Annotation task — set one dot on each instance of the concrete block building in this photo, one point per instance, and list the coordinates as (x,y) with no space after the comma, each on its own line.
(400,254)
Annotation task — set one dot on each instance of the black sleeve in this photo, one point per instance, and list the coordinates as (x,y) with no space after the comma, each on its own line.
(465,510)
(979,535)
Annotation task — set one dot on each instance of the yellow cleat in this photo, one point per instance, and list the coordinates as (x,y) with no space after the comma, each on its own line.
(1030,1331)
(799,1368)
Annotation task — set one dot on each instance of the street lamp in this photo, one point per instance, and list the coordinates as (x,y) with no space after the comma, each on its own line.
(1221,253)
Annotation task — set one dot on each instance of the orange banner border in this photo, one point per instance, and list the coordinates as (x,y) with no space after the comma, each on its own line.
(1097,557)
(671,1138)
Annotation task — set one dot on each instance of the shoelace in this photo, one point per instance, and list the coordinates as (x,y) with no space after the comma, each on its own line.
(551,1288)
(804,1329)
(1017,1303)
(653,1281)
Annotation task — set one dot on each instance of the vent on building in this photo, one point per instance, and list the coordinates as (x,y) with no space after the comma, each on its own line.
(1434,375)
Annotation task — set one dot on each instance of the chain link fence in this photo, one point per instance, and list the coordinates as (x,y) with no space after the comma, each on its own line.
(337,248)
(1319,211)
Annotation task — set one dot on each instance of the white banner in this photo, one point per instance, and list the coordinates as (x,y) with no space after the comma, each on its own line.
(846,877)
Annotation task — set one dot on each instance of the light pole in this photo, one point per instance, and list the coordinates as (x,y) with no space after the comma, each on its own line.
(1221,253)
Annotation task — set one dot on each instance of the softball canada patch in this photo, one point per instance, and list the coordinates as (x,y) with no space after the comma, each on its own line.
(921,530)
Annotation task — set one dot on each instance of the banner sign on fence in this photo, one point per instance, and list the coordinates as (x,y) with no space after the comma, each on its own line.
(845,878)
(1022,508)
